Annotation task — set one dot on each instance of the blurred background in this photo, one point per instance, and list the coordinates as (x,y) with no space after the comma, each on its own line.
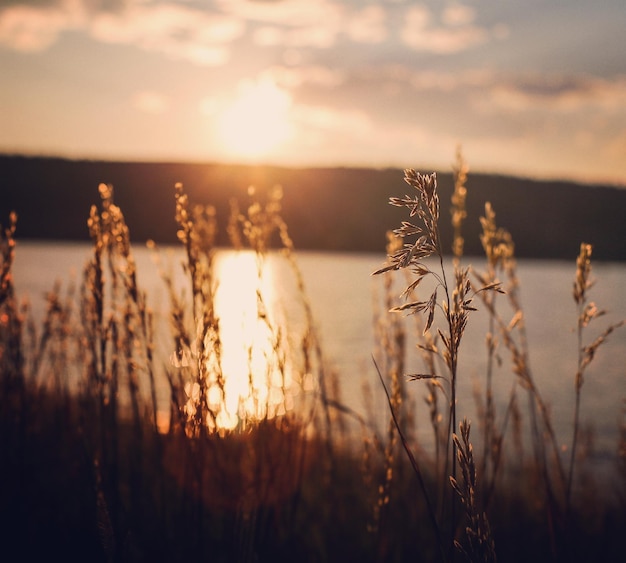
(534,88)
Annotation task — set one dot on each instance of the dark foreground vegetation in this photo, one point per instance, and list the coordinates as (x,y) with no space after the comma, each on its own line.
(93,468)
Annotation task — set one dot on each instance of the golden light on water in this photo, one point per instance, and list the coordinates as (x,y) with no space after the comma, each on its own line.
(257,372)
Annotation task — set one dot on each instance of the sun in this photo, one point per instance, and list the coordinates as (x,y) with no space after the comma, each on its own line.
(257,120)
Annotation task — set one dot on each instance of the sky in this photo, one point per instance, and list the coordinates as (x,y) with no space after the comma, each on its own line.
(535,88)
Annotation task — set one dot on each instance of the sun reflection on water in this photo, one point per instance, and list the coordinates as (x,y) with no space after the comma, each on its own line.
(256,364)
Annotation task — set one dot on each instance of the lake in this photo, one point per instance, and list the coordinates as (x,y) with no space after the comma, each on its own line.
(342,293)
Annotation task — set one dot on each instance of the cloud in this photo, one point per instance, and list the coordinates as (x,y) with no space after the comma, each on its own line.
(32,28)
(288,13)
(450,81)
(200,33)
(294,77)
(176,30)
(368,25)
(560,93)
(515,92)
(302,23)
(454,34)
(320,36)
(203,32)
(458,15)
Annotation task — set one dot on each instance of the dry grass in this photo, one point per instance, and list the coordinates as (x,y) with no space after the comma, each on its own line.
(545,480)
(94,470)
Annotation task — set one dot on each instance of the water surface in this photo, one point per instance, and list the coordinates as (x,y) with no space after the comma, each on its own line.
(345,298)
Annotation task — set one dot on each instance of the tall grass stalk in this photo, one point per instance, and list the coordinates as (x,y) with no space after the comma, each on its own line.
(478,532)
(456,304)
(499,249)
(587,312)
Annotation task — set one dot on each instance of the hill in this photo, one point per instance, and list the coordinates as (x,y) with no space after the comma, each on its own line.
(326,208)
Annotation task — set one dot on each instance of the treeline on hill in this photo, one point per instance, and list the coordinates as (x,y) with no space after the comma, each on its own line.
(326,208)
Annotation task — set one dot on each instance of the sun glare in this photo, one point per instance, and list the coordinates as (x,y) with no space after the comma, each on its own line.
(257,120)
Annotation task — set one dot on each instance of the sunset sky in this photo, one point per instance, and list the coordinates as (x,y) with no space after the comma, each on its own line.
(528,87)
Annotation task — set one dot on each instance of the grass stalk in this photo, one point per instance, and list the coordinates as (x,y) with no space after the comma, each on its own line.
(587,312)
(457,301)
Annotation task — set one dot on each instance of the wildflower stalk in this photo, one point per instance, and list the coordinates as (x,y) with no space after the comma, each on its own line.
(587,311)
(582,283)
(197,232)
(481,546)
(391,337)
(458,211)
(499,251)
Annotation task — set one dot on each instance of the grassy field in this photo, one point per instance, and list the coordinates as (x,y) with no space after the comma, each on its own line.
(92,469)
